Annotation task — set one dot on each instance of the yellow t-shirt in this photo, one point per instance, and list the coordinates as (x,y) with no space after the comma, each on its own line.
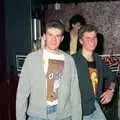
(94,79)
(73,45)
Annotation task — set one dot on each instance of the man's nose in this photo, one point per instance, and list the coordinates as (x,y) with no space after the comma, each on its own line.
(54,37)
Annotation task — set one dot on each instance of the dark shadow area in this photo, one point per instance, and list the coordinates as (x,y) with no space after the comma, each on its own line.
(66,1)
(8,88)
(2,43)
(111,109)
(100,48)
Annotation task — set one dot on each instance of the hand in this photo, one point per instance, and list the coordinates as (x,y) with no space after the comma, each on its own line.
(106,97)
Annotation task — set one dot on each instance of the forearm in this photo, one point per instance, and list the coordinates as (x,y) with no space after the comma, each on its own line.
(76,104)
(21,101)
(20,110)
(23,91)
(112,86)
(107,96)
(76,97)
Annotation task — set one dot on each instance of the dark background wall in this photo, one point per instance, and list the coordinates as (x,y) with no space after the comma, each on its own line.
(18,37)
(17,30)
(15,38)
(105,15)
(2,42)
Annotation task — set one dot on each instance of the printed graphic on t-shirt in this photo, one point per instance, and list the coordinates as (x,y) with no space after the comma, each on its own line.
(94,78)
(54,76)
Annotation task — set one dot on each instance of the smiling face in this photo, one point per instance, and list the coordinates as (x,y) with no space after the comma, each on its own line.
(89,41)
(53,38)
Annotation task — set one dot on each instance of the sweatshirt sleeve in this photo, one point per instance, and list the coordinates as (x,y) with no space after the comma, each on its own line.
(75,95)
(23,91)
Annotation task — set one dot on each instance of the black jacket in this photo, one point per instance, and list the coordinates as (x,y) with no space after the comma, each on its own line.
(65,45)
(85,84)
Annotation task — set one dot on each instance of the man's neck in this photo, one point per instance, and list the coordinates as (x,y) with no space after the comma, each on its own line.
(57,51)
(87,55)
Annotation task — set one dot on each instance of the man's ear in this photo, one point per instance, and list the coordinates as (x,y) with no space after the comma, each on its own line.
(81,42)
(43,40)
(62,38)
(44,36)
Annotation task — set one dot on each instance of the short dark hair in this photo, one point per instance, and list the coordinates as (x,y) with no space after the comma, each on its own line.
(86,28)
(76,19)
(56,24)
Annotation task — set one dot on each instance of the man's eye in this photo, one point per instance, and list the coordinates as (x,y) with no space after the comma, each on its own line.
(49,34)
(87,38)
(58,36)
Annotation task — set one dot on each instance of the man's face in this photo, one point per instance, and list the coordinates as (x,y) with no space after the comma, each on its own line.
(89,41)
(53,38)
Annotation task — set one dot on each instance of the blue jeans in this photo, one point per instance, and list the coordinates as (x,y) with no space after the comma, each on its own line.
(96,115)
(38,118)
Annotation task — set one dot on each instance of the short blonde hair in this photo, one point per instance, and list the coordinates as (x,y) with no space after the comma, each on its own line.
(86,28)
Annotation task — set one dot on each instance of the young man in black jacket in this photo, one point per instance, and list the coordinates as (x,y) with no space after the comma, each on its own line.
(91,72)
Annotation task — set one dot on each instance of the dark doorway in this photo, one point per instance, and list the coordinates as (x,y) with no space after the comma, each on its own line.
(2,42)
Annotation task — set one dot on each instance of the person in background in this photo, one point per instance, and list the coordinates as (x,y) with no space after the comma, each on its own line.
(91,74)
(70,42)
(49,79)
